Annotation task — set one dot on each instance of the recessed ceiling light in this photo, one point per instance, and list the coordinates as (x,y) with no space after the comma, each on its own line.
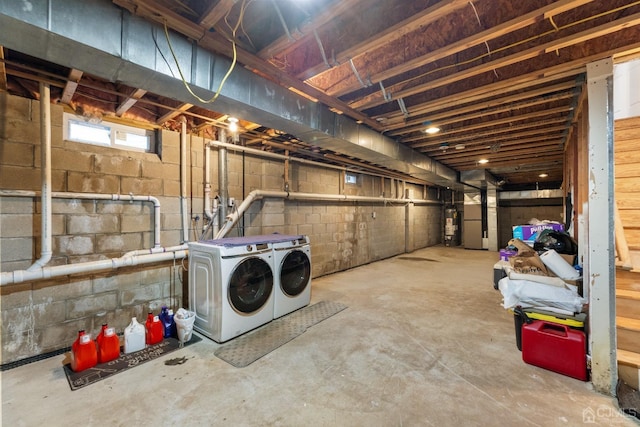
(543,175)
(432,129)
(483,161)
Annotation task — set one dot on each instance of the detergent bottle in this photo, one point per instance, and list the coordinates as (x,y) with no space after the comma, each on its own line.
(83,353)
(166,317)
(134,336)
(108,344)
(154,329)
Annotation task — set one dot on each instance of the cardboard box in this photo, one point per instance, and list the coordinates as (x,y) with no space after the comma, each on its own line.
(529,233)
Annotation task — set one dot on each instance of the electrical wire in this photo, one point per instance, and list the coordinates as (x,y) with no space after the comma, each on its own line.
(226,76)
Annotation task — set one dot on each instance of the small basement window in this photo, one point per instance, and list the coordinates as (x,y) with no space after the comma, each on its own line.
(350,178)
(108,134)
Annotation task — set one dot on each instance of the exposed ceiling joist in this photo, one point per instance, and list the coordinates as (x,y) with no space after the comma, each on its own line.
(285,44)
(394,32)
(492,106)
(71,86)
(130,101)
(542,126)
(489,91)
(408,88)
(173,113)
(474,40)
(216,12)
(444,120)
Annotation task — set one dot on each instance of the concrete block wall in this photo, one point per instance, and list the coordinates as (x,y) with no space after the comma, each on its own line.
(43,316)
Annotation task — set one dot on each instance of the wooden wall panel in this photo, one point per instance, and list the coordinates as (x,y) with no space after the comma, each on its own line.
(627,177)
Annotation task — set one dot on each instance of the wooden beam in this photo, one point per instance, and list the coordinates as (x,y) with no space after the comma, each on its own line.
(498,122)
(3,71)
(512,162)
(481,93)
(602,30)
(71,86)
(487,107)
(216,12)
(468,42)
(509,129)
(214,42)
(505,145)
(174,113)
(490,139)
(426,16)
(284,44)
(549,147)
(445,119)
(130,101)
(405,89)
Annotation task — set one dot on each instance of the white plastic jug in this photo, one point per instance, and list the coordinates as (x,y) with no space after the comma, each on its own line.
(134,336)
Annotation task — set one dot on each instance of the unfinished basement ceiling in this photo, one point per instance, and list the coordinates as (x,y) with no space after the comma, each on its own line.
(500,79)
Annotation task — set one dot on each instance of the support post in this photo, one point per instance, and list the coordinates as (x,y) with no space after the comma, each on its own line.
(600,264)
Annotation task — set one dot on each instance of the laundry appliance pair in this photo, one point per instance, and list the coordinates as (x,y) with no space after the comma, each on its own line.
(237,284)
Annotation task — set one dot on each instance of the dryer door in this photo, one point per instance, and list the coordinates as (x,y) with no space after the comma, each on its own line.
(294,273)
(250,285)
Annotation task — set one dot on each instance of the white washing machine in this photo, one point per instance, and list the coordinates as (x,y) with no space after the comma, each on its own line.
(292,270)
(231,285)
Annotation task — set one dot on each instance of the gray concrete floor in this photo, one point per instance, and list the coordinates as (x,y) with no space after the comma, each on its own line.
(423,342)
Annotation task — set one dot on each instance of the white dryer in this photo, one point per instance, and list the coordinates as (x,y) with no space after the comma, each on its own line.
(231,284)
(292,270)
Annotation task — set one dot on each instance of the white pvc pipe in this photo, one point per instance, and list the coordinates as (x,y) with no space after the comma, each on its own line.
(233,217)
(183,179)
(97,196)
(45,172)
(20,276)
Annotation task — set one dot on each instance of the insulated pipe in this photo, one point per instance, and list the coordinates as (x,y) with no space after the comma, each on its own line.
(233,217)
(223,181)
(20,276)
(183,179)
(45,171)
(96,196)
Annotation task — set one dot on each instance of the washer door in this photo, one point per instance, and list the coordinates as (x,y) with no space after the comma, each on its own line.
(294,273)
(250,285)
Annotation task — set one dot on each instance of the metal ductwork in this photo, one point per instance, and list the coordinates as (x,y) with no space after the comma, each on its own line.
(109,42)
(478,178)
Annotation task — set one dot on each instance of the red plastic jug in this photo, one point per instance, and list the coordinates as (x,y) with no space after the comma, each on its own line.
(108,344)
(154,330)
(83,353)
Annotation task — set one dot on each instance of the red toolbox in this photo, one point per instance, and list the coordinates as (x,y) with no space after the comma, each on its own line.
(555,347)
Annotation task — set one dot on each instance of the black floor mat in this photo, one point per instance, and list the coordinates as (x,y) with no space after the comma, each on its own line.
(125,361)
(246,349)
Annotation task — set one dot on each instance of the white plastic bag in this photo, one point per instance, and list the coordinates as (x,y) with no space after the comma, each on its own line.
(527,293)
(184,324)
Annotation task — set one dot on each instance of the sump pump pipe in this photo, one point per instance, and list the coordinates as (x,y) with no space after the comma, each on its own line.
(259,194)
(97,196)
(45,159)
